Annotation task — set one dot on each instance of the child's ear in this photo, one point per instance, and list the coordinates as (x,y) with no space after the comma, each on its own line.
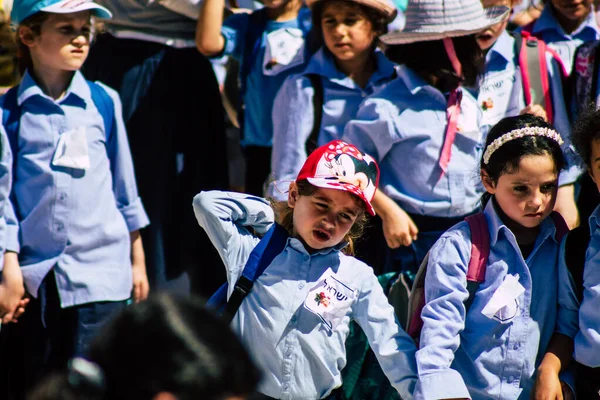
(293,194)
(488,183)
(26,35)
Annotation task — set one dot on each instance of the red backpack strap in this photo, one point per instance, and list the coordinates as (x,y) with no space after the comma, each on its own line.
(561,226)
(480,251)
(480,247)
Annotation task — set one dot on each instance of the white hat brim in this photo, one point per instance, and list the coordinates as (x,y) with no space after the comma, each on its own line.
(62,8)
(494,15)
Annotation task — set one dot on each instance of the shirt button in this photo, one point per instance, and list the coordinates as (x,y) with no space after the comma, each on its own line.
(62,196)
(306,258)
(301,285)
(60,226)
(286,387)
(510,379)
(516,346)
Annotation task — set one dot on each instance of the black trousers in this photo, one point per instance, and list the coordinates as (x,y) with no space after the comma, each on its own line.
(46,337)
(175,123)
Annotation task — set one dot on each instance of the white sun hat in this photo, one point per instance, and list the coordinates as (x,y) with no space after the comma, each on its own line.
(439,19)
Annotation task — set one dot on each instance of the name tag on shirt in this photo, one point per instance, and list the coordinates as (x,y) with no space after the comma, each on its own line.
(329,299)
(72,150)
(503,305)
(284,50)
(494,96)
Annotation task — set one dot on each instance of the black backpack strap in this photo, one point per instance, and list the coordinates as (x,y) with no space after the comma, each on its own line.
(576,245)
(317,84)
(584,77)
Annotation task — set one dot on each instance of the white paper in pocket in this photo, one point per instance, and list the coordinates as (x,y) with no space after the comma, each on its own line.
(329,299)
(503,305)
(72,150)
(284,50)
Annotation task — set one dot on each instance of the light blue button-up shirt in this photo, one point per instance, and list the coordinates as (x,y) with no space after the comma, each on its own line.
(587,341)
(500,95)
(547,28)
(299,357)
(73,220)
(293,120)
(5,185)
(260,88)
(477,357)
(403,127)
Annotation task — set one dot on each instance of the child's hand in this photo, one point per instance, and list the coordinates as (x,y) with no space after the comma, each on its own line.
(141,287)
(12,290)
(535,109)
(547,385)
(565,205)
(398,228)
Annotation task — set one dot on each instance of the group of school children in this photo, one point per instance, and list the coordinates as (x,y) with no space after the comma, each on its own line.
(405,133)
(448,124)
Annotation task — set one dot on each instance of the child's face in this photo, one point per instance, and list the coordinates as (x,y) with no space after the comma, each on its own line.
(573,10)
(347,31)
(323,219)
(595,162)
(527,196)
(63,43)
(488,37)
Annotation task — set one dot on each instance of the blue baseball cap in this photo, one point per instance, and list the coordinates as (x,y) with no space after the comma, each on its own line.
(23,9)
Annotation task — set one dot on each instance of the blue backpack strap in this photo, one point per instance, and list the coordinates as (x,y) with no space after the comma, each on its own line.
(257,22)
(260,258)
(11,115)
(105,106)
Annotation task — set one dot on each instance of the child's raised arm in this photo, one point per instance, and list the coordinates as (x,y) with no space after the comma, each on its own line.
(225,216)
(209,39)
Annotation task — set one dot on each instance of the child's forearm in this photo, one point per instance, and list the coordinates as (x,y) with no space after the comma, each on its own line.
(558,355)
(137,248)
(209,39)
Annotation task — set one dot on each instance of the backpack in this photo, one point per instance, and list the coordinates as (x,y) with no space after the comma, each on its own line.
(534,72)
(11,114)
(584,78)
(480,250)
(271,244)
(576,246)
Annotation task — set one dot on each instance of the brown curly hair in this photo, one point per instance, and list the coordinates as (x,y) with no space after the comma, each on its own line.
(285,216)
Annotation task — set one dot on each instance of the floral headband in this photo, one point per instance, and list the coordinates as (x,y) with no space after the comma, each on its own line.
(519,133)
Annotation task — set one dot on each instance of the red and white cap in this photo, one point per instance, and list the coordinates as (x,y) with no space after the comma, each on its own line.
(341,166)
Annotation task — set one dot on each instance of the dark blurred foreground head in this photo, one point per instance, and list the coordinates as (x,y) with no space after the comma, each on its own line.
(166,348)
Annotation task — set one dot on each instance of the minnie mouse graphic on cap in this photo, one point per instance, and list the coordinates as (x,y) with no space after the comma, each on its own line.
(341,166)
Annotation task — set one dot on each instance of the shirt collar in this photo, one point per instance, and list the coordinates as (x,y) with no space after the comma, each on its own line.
(594,220)
(548,21)
(322,63)
(29,88)
(299,247)
(413,81)
(504,47)
(496,225)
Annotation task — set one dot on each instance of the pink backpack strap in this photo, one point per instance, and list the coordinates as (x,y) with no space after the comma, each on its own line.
(561,226)
(480,247)
(537,49)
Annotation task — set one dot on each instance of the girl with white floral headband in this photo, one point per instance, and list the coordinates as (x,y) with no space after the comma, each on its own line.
(510,336)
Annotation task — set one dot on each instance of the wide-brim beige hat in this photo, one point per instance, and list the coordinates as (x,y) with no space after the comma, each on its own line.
(385,7)
(439,19)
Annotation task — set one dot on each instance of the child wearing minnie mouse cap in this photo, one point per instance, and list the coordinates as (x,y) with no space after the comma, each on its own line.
(296,318)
